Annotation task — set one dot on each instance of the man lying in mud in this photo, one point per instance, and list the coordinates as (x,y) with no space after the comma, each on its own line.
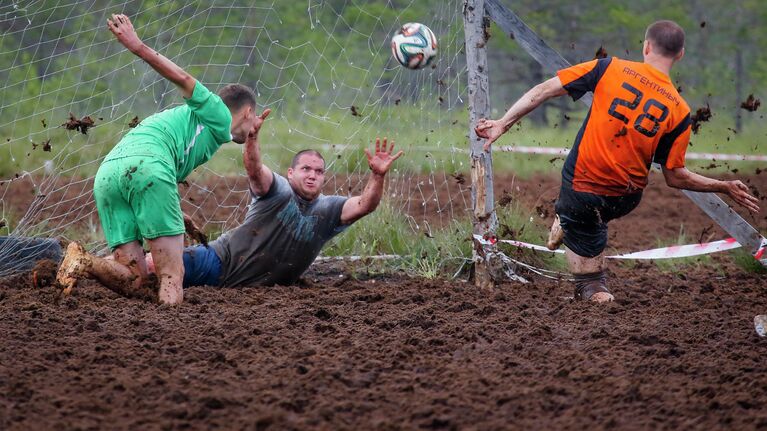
(637,117)
(287,223)
(136,188)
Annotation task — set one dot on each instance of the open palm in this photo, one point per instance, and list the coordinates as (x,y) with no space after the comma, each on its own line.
(381,160)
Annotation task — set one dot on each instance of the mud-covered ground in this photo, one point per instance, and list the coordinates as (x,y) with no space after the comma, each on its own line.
(351,350)
(389,353)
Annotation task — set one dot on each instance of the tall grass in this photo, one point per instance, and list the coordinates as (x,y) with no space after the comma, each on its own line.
(424,252)
(440,252)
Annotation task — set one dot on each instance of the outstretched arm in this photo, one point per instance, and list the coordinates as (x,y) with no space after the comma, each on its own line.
(493,129)
(364,204)
(681,178)
(259,176)
(123,30)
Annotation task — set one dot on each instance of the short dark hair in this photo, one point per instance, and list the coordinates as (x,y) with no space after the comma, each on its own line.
(667,37)
(237,96)
(301,153)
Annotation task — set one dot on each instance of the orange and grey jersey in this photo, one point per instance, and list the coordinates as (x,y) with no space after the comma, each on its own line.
(637,117)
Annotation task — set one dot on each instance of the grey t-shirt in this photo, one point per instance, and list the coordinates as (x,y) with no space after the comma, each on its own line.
(281,236)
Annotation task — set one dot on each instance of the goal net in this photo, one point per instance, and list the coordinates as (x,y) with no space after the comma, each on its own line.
(71,91)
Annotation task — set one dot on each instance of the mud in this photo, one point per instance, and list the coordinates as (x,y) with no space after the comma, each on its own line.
(82,125)
(340,352)
(349,348)
(751,103)
(134,122)
(702,115)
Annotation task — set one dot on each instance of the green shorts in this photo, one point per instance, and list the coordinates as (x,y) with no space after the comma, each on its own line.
(137,198)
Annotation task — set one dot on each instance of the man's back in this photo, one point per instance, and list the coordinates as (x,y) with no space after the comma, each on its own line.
(637,116)
(185,136)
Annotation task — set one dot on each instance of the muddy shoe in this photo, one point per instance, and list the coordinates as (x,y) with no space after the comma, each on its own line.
(592,287)
(74,265)
(556,235)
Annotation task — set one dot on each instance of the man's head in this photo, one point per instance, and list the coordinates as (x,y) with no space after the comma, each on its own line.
(241,101)
(666,39)
(306,174)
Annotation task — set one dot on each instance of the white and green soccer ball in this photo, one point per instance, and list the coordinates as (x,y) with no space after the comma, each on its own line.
(414,46)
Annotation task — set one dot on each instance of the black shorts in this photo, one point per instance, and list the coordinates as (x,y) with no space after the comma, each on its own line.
(584,218)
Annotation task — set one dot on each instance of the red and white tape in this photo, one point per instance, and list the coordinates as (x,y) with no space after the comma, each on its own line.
(556,151)
(672,252)
(761,254)
(689,156)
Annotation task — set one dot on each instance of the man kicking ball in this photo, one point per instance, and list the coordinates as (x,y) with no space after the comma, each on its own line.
(637,117)
(136,185)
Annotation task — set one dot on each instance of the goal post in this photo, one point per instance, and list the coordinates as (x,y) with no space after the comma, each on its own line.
(484,219)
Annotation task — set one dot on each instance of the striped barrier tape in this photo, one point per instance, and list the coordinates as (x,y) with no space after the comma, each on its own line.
(672,252)
(761,254)
(689,156)
(556,151)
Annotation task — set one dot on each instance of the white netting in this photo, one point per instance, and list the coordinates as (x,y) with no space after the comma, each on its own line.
(323,67)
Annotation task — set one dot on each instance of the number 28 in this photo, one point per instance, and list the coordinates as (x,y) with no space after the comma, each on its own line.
(646,114)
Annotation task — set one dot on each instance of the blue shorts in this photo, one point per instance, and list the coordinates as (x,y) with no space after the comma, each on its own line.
(202,266)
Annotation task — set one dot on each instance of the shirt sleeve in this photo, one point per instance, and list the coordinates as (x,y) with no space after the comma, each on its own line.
(331,215)
(584,77)
(672,146)
(212,112)
(279,192)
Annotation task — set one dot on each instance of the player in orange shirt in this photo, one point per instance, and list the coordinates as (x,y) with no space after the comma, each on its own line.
(637,118)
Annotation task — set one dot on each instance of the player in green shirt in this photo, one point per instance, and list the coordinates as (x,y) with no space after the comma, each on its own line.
(135,187)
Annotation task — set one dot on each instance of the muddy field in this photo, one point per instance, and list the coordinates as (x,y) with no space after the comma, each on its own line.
(351,350)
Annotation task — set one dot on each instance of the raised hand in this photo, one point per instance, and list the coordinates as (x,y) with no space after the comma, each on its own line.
(123,30)
(739,193)
(258,121)
(381,161)
(490,130)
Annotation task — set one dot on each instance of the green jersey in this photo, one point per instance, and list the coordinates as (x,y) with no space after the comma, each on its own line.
(185,137)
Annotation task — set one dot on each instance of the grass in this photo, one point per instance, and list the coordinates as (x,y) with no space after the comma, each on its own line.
(433,139)
(444,147)
(422,252)
(8,221)
(442,252)
(516,222)
(746,261)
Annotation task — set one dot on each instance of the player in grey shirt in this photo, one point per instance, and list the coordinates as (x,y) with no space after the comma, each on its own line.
(287,223)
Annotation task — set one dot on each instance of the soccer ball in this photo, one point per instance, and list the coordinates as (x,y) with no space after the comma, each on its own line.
(414,46)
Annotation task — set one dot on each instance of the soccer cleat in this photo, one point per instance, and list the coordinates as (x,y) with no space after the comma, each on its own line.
(556,235)
(74,265)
